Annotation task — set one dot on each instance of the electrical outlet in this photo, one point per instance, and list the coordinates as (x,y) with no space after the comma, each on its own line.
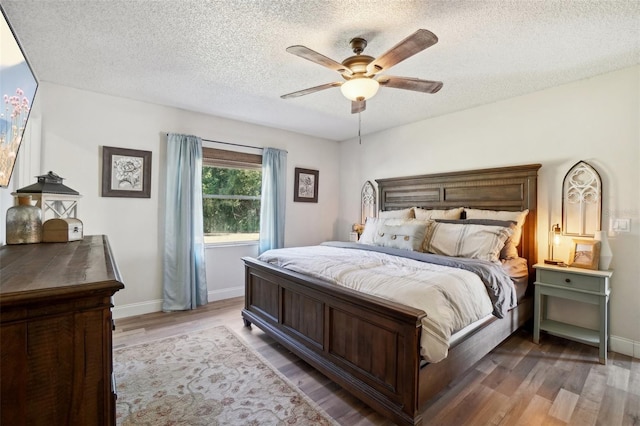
(620,225)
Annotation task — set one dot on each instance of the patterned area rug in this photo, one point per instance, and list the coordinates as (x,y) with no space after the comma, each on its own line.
(208,377)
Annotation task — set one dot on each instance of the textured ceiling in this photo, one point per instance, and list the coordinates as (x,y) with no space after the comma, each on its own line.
(227,58)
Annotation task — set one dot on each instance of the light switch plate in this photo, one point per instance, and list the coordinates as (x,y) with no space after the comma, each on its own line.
(621,225)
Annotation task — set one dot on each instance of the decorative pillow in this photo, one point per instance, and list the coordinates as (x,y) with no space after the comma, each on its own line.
(371,228)
(472,241)
(518,217)
(509,251)
(397,214)
(424,214)
(408,235)
(369,232)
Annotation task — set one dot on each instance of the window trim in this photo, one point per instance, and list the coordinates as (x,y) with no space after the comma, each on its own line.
(231,197)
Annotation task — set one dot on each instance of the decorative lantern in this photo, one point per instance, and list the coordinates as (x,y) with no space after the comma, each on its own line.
(54,199)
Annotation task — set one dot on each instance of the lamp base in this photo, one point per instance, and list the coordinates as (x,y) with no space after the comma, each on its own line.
(554,262)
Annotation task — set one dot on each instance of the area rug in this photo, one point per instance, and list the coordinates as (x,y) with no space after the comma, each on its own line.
(207,377)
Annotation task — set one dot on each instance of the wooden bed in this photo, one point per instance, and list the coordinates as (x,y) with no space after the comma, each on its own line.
(368,345)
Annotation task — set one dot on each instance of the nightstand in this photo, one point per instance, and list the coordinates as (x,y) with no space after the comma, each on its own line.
(582,285)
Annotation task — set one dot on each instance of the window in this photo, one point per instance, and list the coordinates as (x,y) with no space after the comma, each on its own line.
(231,184)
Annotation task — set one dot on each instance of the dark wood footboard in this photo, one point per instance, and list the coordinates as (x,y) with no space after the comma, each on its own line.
(365,344)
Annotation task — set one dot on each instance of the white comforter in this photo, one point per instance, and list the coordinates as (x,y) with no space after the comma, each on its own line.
(452,298)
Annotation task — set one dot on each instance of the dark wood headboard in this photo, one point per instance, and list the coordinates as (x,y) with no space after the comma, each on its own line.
(504,188)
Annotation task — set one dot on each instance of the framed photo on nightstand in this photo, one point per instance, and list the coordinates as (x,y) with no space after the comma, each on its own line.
(584,254)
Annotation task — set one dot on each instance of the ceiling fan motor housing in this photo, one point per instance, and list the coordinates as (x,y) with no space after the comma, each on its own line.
(357,64)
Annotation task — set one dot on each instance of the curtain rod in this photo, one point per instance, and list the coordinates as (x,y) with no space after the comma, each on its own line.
(235,144)
(239,144)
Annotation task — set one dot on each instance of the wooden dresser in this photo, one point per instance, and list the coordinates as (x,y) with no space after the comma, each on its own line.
(55,335)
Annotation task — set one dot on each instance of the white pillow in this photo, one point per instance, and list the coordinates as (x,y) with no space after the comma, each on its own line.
(369,231)
(472,241)
(518,217)
(397,214)
(424,214)
(407,235)
(509,251)
(371,228)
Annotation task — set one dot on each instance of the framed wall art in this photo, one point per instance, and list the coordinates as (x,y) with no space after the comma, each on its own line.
(126,172)
(305,188)
(581,201)
(585,254)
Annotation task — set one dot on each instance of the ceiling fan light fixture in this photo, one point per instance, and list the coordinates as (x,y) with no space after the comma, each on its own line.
(359,89)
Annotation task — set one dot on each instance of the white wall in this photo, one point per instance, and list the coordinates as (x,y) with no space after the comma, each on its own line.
(76,124)
(596,120)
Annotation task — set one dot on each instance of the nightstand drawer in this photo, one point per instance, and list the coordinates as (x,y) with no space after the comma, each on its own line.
(567,279)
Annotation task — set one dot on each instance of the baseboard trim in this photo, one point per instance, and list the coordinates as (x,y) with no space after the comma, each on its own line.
(225,293)
(624,346)
(133,309)
(141,308)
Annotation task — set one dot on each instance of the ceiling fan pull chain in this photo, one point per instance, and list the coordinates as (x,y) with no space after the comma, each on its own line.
(359,126)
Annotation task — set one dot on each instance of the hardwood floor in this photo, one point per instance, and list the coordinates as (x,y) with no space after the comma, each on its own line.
(558,382)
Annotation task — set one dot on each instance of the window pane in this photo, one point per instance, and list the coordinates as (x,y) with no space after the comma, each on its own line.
(228,181)
(231,219)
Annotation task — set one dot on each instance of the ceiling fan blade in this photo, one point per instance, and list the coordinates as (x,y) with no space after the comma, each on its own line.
(313,56)
(311,90)
(408,47)
(358,106)
(408,83)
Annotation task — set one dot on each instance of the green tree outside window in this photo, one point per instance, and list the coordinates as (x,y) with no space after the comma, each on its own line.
(231,204)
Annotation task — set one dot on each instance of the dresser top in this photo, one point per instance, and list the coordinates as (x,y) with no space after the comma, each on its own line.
(47,270)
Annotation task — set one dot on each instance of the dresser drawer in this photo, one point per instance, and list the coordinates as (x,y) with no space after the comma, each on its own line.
(567,279)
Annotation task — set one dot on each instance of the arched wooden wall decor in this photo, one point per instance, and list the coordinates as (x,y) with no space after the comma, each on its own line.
(581,201)
(369,207)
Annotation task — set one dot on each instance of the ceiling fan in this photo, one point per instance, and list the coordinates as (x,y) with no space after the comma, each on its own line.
(361,71)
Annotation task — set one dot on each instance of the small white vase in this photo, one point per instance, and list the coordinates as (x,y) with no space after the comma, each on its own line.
(605,250)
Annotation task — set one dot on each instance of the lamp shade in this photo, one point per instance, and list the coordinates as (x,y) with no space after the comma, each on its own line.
(360,89)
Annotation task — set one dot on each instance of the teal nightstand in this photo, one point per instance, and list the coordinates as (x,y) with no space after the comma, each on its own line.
(582,285)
